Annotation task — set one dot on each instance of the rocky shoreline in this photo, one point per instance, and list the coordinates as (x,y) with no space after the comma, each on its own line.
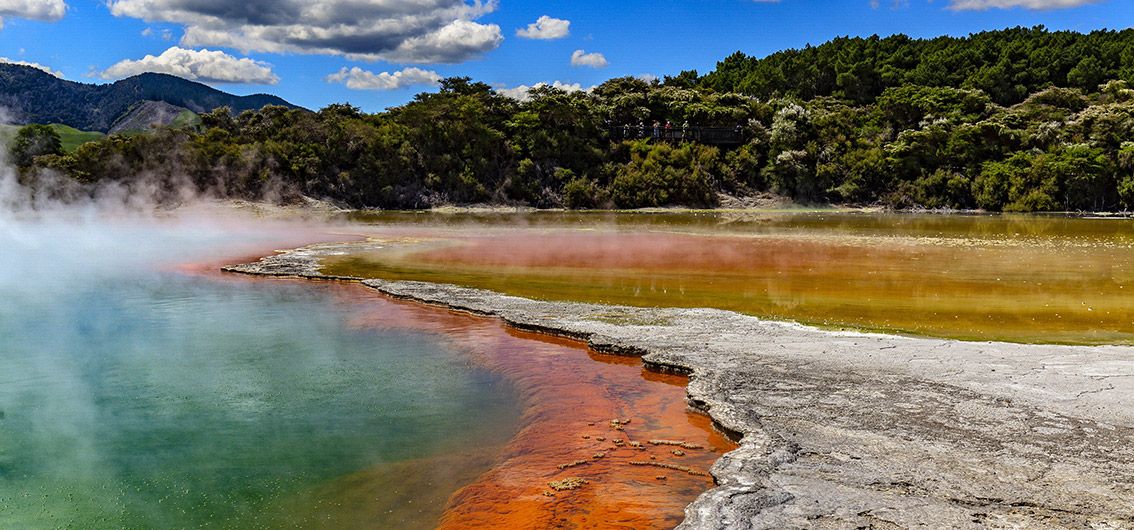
(849,430)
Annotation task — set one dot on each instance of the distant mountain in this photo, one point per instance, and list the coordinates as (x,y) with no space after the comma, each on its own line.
(31,95)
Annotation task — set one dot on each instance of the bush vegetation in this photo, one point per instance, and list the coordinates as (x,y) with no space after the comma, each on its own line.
(1014,120)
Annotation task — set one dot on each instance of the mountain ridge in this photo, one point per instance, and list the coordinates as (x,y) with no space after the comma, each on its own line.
(31,95)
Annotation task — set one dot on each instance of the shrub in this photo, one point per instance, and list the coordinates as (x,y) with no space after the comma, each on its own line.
(663,175)
(582,192)
(35,140)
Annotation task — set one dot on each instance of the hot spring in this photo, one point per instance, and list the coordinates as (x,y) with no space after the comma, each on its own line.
(140,388)
(133,396)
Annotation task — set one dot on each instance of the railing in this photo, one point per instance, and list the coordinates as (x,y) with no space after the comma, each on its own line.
(703,135)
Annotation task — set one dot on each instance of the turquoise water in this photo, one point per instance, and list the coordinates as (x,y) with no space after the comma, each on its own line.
(136,398)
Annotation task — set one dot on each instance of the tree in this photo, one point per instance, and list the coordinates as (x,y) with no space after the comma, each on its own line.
(1085,175)
(660,175)
(1087,74)
(33,141)
(1007,65)
(906,107)
(685,79)
(1003,120)
(1126,182)
(992,188)
(220,118)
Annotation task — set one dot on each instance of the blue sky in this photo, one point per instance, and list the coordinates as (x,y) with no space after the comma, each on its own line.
(313,53)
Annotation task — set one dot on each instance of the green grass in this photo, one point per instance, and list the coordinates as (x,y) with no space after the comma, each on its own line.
(186,120)
(71,137)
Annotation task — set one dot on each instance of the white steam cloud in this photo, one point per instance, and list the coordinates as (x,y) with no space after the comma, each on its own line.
(55,231)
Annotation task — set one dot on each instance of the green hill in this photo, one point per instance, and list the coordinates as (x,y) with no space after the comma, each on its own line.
(34,96)
(1007,65)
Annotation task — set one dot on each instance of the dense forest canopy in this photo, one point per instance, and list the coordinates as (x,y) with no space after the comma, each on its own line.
(1015,120)
(1007,65)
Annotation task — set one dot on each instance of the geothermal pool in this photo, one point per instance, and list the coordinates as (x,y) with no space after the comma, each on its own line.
(140,388)
(165,402)
(1030,279)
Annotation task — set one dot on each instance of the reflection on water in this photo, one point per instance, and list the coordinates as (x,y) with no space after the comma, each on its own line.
(1015,278)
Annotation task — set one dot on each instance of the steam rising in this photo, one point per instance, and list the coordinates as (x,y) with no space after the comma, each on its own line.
(50,245)
(107,349)
(55,231)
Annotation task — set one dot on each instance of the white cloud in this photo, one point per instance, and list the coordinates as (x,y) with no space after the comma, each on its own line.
(38,66)
(593,60)
(980,5)
(165,35)
(453,43)
(359,79)
(49,10)
(404,31)
(546,28)
(523,92)
(894,4)
(197,65)
(45,10)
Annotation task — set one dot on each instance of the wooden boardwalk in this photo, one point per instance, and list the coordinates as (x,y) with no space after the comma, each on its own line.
(728,136)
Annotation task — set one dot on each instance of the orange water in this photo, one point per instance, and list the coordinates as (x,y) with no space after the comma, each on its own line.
(1018,278)
(571,395)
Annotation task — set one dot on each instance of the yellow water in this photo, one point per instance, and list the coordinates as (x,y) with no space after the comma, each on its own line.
(1041,279)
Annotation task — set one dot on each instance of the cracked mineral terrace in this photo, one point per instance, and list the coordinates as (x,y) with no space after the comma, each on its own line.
(849,430)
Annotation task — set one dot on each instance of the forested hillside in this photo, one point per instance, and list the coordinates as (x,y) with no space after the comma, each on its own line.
(1018,120)
(1007,65)
(31,95)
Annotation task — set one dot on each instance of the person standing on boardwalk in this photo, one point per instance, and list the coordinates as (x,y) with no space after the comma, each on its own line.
(668,130)
(657,129)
